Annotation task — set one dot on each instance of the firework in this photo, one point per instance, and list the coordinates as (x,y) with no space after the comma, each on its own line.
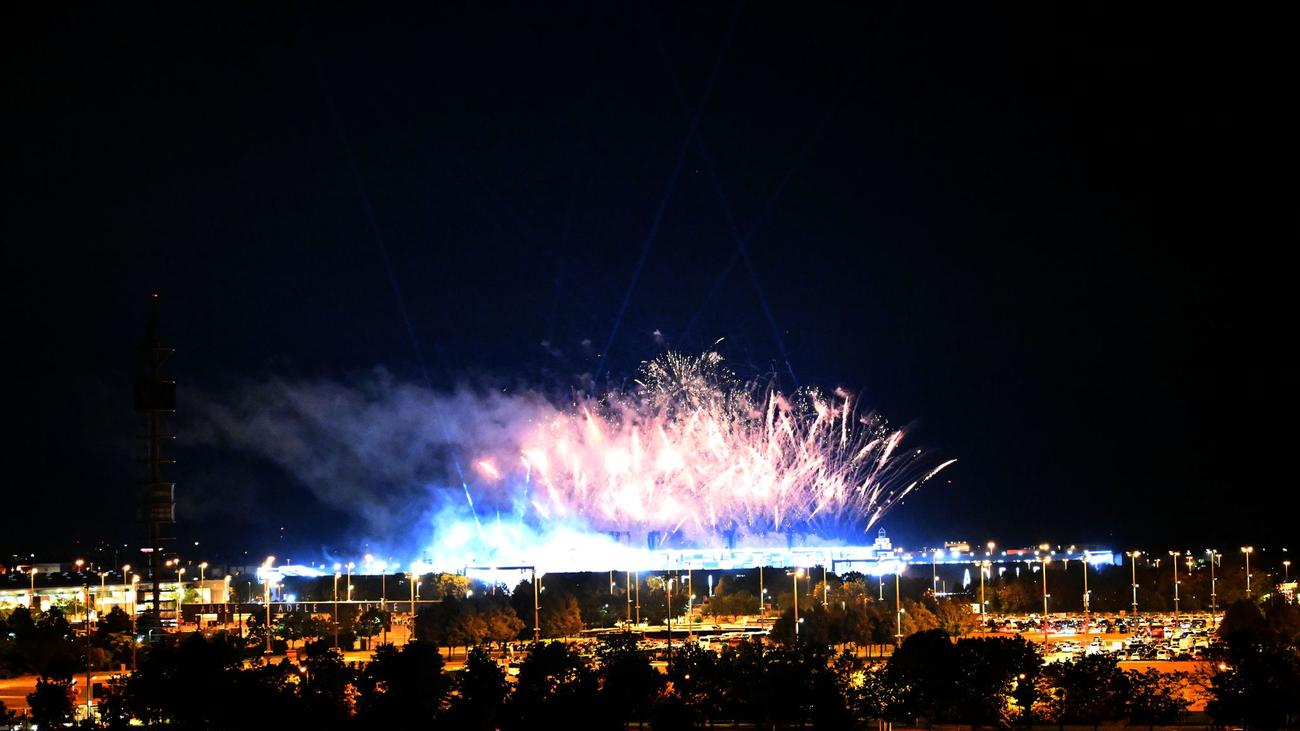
(693,456)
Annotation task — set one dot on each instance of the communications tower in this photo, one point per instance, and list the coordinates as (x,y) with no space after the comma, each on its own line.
(155,399)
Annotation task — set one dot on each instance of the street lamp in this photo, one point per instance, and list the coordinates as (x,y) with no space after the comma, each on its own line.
(1214,582)
(934,572)
(826,588)
(1046,560)
(1174,562)
(336,608)
(984,566)
(266,598)
(537,627)
(898,607)
(126,568)
(1087,595)
(203,566)
(225,600)
(1247,550)
(628,591)
(135,582)
(1134,556)
(180,595)
(32,573)
(1286,571)
(350,565)
(668,594)
(797,573)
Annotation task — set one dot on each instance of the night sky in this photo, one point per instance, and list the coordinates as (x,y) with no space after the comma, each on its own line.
(1037,234)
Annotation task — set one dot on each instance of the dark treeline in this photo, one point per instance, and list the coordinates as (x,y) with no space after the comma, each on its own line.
(215,682)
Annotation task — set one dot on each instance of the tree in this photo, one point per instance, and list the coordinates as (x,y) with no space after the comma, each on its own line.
(560,616)
(370,623)
(481,691)
(116,621)
(1155,697)
(114,709)
(954,617)
(917,617)
(449,585)
(503,625)
(51,702)
(8,718)
(467,628)
(730,605)
(1261,689)
(556,688)
(924,673)
(296,625)
(628,683)
(694,678)
(1010,595)
(1088,690)
(996,680)
(402,687)
(325,691)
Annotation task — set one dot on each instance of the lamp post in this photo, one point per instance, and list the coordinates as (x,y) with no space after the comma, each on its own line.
(336,607)
(668,593)
(984,565)
(35,603)
(1046,560)
(126,569)
(690,600)
(1286,571)
(1087,596)
(180,595)
(934,572)
(1214,583)
(628,591)
(225,600)
(826,588)
(898,608)
(1133,555)
(135,582)
(797,573)
(349,584)
(1247,550)
(266,598)
(761,605)
(88,683)
(537,628)
(85,610)
(1174,560)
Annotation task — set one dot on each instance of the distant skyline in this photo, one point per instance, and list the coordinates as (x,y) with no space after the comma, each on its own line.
(1028,233)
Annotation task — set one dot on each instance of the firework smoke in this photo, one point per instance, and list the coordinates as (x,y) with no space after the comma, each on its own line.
(689,454)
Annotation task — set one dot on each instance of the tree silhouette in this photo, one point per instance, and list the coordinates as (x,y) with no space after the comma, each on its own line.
(481,692)
(628,683)
(51,702)
(556,688)
(1155,697)
(1088,690)
(402,687)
